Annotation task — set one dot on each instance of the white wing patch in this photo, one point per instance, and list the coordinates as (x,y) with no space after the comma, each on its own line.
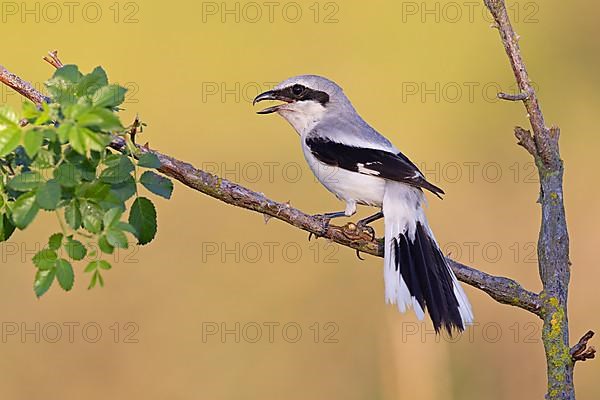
(363,169)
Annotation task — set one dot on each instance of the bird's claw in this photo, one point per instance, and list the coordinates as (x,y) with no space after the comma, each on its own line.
(358,255)
(367,228)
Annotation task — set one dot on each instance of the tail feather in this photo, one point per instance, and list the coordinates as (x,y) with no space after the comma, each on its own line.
(416,272)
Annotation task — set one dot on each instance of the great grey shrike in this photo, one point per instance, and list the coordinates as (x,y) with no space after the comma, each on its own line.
(360,166)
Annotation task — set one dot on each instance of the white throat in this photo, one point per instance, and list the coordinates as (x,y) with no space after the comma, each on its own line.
(302,115)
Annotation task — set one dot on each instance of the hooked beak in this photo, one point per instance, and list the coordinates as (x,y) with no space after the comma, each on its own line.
(271,95)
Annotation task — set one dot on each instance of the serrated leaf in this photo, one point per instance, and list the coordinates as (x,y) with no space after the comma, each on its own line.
(142,217)
(96,191)
(48,195)
(118,172)
(32,141)
(101,118)
(97,264)
(112,217)
(45,259)
(24,210)
(83,140)
(44,159)
(92,82)
(64,274)
(68,175)
(43,281)
(93,280)
(6,228)
(117,238)
(55,241)
(124,190)
(73,215)
(64,131)
(124,226)
(9,140)
(91,215)
(109,96)
(157,184)
(63,84)
(105,247)
(26,181)
(149,160)
(75,249)
(68,73)
(8,118)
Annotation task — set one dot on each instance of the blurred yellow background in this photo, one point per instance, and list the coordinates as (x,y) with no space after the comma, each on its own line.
(222,306)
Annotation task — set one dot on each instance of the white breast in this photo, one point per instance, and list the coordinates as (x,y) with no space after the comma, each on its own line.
(346,185)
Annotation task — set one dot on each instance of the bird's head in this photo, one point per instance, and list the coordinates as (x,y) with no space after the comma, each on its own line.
(306,100)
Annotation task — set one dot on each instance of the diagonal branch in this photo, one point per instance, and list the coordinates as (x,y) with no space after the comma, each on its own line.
(503,290)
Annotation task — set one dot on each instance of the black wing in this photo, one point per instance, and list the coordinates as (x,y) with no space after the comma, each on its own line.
(381,163)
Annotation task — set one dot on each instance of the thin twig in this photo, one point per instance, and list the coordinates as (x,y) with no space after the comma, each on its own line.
(581,351)
(513,97)
(52,59)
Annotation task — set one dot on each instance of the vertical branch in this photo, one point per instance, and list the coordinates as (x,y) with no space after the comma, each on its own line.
(553,241)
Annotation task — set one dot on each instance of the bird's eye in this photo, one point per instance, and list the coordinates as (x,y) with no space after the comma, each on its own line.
(297,89)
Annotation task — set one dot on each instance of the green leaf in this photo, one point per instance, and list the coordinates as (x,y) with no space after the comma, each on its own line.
(26,181)
(24,210)
(8,118)
(63,84)
(9,140)
(92,82)
(43,281)
(157,184)
(48,195)
(45,259)
(96,191)
(83,140)
(64,131)
(64,274)
(149,160)
(101,118)
(118,171)
(98,264)
(142,217)
(32,141)
(105,247)
(112,217)
(124,226)
(109,96)
(68,73)
(55,241)
(67,175)
(6,228)
(91,214)
(94,280)
(75,249)
(73,215)
(104,265)
(124,190)
(44,159)
(117,238)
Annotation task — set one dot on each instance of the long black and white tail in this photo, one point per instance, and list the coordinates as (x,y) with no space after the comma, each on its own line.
(416,273)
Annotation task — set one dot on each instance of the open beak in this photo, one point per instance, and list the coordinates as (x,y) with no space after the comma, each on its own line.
(271,95)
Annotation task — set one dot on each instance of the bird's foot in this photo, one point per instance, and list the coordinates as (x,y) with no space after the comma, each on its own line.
(326,220)
(355,231)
